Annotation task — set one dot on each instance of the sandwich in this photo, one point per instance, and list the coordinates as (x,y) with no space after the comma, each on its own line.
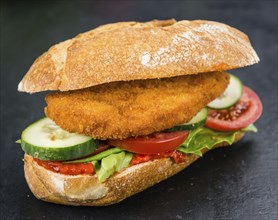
(133,104)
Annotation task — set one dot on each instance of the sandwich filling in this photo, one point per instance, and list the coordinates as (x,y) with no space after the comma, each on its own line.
(107,128)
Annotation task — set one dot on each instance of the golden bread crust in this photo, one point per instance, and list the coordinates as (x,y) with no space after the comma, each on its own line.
(130,50)
(81,190)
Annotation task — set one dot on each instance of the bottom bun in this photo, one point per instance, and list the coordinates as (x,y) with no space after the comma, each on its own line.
(84,190)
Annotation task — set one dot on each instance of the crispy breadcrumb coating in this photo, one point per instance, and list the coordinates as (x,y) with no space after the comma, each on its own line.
(118,110)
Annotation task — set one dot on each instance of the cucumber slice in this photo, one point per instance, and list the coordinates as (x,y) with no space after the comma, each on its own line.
(230,96)
(197,121)
(47,141)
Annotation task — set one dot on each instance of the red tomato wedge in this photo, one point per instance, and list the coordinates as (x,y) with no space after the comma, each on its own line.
(245,112)
(152,144)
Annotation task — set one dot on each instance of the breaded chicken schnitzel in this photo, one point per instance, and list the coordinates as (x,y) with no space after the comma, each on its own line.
(119,110)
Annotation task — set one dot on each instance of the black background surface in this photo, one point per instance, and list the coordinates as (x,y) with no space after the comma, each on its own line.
(239,182)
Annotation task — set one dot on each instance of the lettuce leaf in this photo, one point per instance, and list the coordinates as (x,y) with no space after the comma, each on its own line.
(111,164)
(97,157)
(250,127)
(202,138)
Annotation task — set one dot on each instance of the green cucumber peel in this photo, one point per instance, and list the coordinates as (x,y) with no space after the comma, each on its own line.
(230,96)
(198,120)
(67,153)
(45,140)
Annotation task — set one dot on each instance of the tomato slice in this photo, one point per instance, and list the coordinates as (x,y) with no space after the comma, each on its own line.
(152,144)
(245,112)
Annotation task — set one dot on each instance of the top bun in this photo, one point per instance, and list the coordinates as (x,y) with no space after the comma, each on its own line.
(131,50)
